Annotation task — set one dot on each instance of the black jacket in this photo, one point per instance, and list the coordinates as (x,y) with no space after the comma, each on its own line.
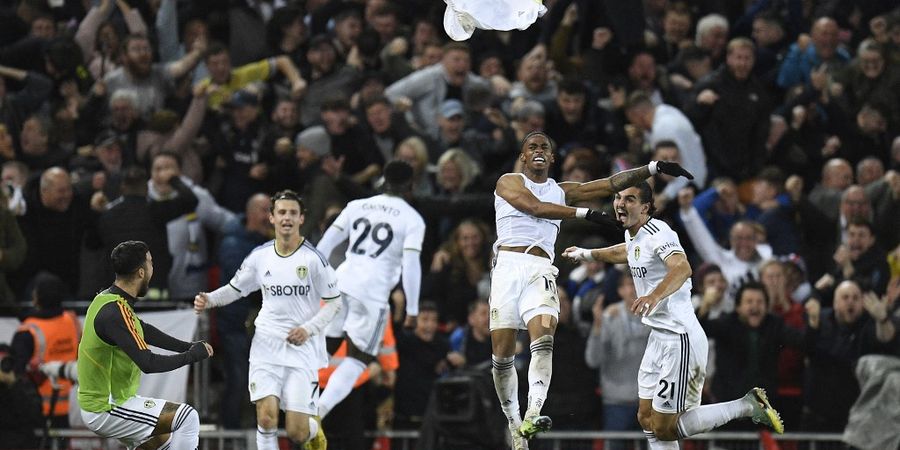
(135,217)
(734,129)
(748,357)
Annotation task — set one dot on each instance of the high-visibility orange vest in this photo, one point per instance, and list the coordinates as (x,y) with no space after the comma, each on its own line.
(55,339)
(387,358)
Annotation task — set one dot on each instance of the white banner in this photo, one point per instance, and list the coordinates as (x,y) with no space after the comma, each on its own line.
(172,386)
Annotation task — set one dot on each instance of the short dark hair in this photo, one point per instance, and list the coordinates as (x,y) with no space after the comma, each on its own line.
(379,99)
(132,37)
(134,180)
(398,176)
(215,48)
(287,194)
(428,306)
(646,196)
(473,305)
(861,222)
(751,285)
(572,86)
(169,154)
(774,176)
(335,102)
(459,46)
(50,290)
(538,133)
(128,257)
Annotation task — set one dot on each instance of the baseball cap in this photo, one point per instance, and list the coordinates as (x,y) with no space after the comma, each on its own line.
(316,139)
(451,108)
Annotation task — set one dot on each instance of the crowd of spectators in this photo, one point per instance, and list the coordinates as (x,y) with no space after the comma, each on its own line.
(171,121)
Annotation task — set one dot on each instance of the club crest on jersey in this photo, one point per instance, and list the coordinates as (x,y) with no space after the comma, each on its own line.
(302,272)
(149,404)
(637,252)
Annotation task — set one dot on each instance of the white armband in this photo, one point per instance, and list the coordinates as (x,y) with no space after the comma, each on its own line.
(652,167)
(581,213)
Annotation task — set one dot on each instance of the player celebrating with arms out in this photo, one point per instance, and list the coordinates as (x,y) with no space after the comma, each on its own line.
(673,368)
(114,351)
(529,207)
(288,348)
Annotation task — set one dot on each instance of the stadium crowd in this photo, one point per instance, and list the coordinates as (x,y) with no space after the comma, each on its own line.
(173,121)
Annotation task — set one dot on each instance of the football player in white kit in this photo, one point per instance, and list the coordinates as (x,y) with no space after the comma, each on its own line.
(300,296)
(385,235)
(673,369)
(529,207)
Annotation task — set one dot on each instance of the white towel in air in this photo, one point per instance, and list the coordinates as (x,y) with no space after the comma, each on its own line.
(462,17)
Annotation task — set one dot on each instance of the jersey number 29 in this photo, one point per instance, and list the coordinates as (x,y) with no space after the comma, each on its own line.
(381,233)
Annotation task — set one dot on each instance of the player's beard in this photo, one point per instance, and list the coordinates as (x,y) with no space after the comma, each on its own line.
(145,286)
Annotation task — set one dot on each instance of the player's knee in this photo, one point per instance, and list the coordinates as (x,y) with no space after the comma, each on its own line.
(665,430)
(266,421)
(297,433)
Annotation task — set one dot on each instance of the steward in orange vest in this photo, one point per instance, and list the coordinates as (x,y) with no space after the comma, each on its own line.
(48,334)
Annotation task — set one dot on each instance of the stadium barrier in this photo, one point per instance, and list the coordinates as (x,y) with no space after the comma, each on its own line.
(214,439)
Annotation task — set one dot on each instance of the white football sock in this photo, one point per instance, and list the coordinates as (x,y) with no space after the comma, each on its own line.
(266,439)
(656,444)
(707,417)
(340,383)
(506,383)
(540,371)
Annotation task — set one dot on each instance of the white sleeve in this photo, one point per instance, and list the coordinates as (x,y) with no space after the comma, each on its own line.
(701,237)
(412,280)
(665,243)
(326,314)
(223,296)
(333,236)
(336,233)
(244,280)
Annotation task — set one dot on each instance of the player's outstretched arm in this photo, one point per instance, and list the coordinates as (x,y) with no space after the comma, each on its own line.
(606,187)
(616,254)
(220,297)
(511,187)
(113,324)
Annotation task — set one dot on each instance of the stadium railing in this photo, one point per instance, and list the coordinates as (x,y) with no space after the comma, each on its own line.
(214,439)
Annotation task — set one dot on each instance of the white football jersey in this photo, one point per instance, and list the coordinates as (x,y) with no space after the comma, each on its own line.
(647,253)
(517,229)
(292,287)
(379,230)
